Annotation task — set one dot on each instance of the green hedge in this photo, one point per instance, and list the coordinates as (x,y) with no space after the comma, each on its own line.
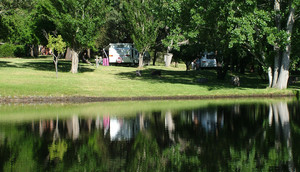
(11,50)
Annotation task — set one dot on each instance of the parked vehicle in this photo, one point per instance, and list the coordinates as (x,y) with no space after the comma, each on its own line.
(208,60)
(121,53)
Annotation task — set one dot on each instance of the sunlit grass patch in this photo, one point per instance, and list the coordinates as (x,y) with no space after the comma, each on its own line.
(36,77)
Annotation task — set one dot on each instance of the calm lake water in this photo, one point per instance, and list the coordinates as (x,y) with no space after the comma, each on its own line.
(221,135)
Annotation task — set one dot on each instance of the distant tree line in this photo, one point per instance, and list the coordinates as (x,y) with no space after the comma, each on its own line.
(259,34)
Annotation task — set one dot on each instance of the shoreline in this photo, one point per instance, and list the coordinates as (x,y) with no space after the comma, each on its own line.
(89,99)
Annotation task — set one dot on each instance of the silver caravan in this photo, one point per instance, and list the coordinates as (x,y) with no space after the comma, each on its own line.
(121,53)
(208,60)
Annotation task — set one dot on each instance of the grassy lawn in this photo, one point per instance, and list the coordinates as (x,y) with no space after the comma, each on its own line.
(36,77)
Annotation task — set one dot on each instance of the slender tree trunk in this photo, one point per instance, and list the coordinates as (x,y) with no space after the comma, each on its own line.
(270,76)
(56,62)
(74,68)
(31,50)
(141,59)
(155,57)
(285,63)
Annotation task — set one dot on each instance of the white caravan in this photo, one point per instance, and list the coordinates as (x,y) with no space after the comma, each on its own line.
(121,53)
(208,60)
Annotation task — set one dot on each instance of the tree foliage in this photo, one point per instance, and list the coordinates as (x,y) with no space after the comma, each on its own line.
(143,19)
(77,21)
(58,46)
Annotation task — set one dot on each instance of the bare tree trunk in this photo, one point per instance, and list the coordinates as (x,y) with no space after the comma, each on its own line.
(276,47)
(31,50)
(141,59)
(56,62)
(155,57)
(270,76)
(89,53)
(74,68)
(68,55)
(285,63)
(276,68)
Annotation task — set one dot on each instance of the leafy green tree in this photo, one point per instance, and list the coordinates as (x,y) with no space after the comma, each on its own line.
(57,45)
(187,53)
(114,30)
(143,20)
(182,31)
(16,24)
(77,21)
(262,27)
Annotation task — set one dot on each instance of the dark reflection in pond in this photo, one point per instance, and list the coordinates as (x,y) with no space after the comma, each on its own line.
(231,137)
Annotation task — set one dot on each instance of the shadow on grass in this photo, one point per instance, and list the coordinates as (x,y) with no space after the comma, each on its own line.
(63,66)
(38,57)
(4,64)
(192,77)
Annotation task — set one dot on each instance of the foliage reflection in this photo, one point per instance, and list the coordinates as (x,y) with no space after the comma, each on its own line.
(238,137)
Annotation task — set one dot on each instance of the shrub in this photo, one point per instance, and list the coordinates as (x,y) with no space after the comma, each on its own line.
(11,50)
(7,50)
(20,51)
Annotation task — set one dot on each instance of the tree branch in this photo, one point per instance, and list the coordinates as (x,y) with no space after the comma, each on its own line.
(45,34)
(185,42)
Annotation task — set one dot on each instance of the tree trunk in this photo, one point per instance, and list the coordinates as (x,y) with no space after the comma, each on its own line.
(56,62)
(155,57)
(270,76)
(89,53)
(276,47)
(34,51)
(74,55)
(68,55)
(285,63)
(276,68)
(187,66)
(141,59)
(31,51)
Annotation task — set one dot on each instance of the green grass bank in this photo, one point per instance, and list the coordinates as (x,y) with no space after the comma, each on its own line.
(28,77)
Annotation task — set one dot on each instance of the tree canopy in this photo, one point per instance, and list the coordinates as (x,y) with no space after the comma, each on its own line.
(252,32)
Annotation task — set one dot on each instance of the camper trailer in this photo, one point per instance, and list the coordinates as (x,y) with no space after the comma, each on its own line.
(208,60)
(121,53)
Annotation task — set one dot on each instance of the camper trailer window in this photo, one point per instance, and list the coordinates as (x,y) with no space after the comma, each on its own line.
(211,57)
(118,46)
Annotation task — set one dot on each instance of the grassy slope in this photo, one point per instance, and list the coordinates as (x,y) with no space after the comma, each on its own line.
(36,77)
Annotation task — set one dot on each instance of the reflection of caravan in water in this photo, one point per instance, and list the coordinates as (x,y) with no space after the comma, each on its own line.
(121,53)
(124,128)
(208,118)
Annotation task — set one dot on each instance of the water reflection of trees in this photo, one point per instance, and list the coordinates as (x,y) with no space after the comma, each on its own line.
(223,138)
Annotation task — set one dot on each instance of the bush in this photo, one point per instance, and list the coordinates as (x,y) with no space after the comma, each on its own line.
(11,50)
(7,50)
(20,51)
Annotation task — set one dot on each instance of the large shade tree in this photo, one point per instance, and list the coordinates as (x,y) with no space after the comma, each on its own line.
(143,20)
(264,29)
(78,21)
(16,24)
